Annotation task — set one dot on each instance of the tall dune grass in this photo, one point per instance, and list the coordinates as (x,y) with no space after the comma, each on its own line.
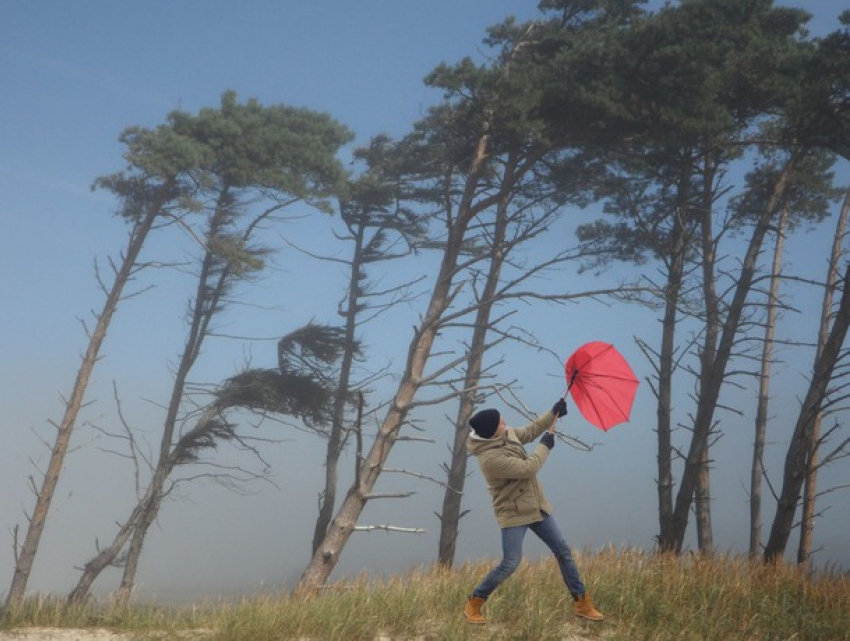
(643,596)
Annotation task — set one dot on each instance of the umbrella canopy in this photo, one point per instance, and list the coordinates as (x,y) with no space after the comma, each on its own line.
(601,383)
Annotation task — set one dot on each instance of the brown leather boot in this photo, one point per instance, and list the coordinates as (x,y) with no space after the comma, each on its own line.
(472,610)
(584,608)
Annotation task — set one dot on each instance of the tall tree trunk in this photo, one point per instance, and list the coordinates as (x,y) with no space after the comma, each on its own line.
(25,557)
(450,514)
(757,469)
(664,412)
(702,500)
(327,555)
(665,394)
(796,457)
(147,510)
(807,522)
(131,563)
(711,379)
(327,500)
(702,496)
(336,440)
(108,556)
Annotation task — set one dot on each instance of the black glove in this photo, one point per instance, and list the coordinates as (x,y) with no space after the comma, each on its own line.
(548,439)
(559,409)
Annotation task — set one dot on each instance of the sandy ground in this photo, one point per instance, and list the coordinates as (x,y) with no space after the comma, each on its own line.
(53,634)
(57,634)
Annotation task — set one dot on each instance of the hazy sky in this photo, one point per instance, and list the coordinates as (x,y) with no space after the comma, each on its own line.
(72,77)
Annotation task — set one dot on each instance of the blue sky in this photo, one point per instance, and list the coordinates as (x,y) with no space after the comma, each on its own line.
(72,77)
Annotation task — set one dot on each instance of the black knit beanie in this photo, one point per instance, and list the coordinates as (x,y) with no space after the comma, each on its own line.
(485,423)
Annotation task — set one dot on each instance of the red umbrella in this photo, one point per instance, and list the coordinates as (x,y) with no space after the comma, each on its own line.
(601,383)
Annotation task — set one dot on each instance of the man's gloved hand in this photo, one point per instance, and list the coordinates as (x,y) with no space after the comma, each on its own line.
(548,439)
(559,409)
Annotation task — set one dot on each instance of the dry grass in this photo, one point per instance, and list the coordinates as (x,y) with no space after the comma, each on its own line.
(643,595)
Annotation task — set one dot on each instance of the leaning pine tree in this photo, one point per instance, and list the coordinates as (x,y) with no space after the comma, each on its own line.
(252,163)
(147,192)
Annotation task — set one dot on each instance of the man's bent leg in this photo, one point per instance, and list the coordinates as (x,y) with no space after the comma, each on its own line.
(511,556)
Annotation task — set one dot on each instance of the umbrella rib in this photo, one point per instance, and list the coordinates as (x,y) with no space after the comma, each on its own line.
(604,387)
(613,404)
(604,392)
(596,413)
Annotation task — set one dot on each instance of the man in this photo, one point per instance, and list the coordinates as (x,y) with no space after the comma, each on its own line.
(519,502)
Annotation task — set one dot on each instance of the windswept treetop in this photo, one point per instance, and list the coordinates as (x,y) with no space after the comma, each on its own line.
(279,150)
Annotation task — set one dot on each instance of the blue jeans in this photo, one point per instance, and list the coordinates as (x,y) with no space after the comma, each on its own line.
(548,532)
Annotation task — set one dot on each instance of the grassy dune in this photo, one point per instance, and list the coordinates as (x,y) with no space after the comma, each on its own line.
(643,596)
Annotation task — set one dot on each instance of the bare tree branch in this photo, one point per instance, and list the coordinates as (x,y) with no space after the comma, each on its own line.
(389,528)
(420,475)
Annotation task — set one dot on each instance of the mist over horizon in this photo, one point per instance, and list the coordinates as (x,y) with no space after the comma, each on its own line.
(77,75)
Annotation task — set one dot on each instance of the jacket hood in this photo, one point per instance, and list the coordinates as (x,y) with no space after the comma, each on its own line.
(475,444)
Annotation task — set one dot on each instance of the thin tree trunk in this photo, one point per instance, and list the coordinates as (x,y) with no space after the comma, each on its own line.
(327,500)
(665,393)
(757,469)
(672,292)
(796,458)
(807,520)
(25,557)
(708,356)
(336,440)
(807,523)
(702,500)
(131,564)
(450,514)
(109,556)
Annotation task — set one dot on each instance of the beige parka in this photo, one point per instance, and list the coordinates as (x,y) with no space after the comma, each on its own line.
(511,473)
